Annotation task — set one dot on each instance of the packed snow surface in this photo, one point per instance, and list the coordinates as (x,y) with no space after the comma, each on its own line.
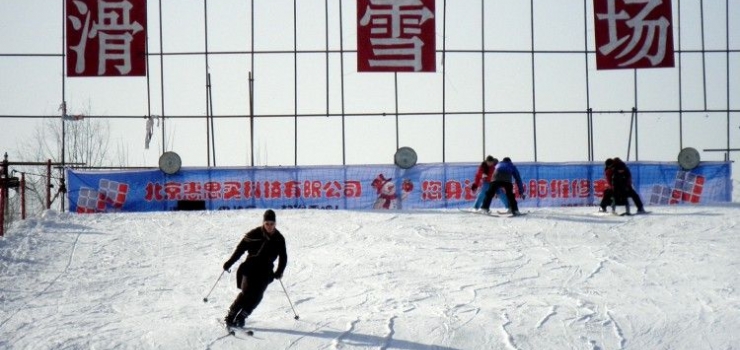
(557,278)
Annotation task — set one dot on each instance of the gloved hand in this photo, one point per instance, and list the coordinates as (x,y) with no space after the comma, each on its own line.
(227,265)
(474,187)
(278,275)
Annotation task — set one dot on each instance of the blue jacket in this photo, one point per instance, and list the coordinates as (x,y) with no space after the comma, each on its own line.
(505,171)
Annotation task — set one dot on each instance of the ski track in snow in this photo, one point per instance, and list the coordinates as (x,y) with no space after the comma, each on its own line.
(389,333)
(337,342)
(306,334)
(617,330)
(507,337)
(544,319)
(596,270)
(49,285)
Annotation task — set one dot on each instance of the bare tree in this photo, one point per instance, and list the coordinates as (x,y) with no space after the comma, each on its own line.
(86,141)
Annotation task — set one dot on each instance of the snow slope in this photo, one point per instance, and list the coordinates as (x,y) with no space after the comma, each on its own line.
(558,278)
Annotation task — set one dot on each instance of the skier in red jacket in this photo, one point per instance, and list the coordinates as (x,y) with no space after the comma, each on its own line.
(483,178)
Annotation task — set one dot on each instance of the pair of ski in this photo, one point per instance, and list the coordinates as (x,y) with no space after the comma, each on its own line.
(604,213)
(232,330)
(500,214)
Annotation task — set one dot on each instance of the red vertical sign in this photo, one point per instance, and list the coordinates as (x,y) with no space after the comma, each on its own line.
(396,36)
(106,38)
(633,34)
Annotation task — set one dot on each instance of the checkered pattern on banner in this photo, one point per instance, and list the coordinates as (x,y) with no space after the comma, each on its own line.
(660,195)
(113,193)
(88,200)
(688,188)
(109,193)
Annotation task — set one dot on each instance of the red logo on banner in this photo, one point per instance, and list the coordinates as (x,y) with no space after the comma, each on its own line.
(633,34)
(109,193)
(106,38)
(396,36)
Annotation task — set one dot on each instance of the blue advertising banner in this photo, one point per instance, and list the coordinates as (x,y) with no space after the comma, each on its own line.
(425,186)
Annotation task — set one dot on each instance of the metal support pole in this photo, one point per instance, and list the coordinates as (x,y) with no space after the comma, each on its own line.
(251,82)
(251,119)
(295,82)
(727,48)
(703,53)
(637,137)
(483,75)
(210,112)
(341,82)
(589,117)
(2,208)
(48,184)
(148,81)
(208,124)
(444,78)
(680,83)
(64,81)
(632,123)
(62,191)
(4,169)
(23,196)
(395,90)
(208,86)
(634,115)
(590,126)
(3,193)
(161,73)
(326,57)
(534,90)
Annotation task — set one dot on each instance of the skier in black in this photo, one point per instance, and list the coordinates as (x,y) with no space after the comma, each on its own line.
(608,198)
(619,187)
(263,245)
(622,184)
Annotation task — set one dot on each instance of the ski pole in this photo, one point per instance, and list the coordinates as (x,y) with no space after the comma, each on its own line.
(290,302)
(205,300)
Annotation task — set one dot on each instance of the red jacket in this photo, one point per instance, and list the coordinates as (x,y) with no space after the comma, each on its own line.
(608,171)
(480,173)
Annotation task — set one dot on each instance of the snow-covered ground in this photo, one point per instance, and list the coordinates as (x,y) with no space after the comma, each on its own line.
(558,278)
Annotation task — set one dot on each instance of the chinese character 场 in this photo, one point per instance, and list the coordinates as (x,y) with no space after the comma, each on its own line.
(106,37)
(633,34)
(396,35)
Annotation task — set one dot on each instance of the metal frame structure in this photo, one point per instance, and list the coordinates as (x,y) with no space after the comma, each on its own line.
(535,112)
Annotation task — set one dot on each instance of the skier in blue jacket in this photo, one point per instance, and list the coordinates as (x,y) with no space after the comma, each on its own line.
(502,178)
(483,178)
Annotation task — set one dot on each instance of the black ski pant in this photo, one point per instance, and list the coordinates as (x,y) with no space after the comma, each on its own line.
(493,188)
(609,199)
(635,198)
(620,199)
(253,288)
(606,199)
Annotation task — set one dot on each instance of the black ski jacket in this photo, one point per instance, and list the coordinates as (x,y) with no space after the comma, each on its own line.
(262,250)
